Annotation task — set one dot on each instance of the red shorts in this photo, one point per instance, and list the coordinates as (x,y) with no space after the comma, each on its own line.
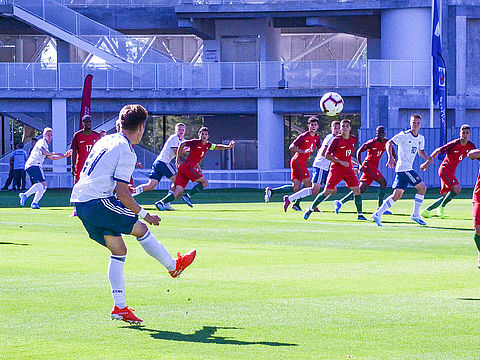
(448,180)
(338,174)
(476,214)
(370,174)
(186,174)
(299,170)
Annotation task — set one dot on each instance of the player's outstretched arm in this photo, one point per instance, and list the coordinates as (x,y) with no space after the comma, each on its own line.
(178,154)
(432,156)
(124,195)
(362,149)
(391,158)
(474,154)
(225,147)
(56,156)
(423,154)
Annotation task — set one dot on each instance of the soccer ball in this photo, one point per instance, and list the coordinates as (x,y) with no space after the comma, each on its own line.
(331,104)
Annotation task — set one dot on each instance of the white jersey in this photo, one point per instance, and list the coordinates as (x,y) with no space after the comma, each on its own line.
(168,152)
(408,146)
(36,157)
(321,161)
(112,159)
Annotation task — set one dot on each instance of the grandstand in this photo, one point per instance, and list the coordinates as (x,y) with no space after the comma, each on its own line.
(244,67)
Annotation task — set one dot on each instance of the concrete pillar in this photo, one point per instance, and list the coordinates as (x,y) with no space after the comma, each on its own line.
(63,51)
(270,150)
(374,49)
(19,50)
(59,126)
(5,135)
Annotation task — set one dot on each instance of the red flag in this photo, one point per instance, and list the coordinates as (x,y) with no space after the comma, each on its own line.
(86,98)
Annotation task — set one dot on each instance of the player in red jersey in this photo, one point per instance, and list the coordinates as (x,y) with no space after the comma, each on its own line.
(302,146)
(456,150)
(475,154)
(189,170)
(82,143)
(375,149)
(340,154)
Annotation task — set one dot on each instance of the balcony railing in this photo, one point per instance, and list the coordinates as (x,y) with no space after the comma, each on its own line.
(239,75)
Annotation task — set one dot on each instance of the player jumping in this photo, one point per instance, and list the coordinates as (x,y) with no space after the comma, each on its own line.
(456,150)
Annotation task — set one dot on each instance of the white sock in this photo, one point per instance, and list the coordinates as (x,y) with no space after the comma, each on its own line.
(417,203)
(138,190)
(156,249)
(33,189)
(117,279)
(300,194)
(387,204)
(39,194)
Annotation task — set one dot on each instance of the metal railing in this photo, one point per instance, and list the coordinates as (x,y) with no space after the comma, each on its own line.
(153,3)
(227,75)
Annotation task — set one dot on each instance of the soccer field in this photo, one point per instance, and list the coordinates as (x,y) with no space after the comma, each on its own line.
(265,285)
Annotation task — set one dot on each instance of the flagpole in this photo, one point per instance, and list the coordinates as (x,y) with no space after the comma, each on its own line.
(431,78)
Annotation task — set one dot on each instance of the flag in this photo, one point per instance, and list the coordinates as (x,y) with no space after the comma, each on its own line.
(439,74)
(86,98)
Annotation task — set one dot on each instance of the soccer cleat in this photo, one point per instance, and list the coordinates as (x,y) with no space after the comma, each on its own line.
(296,207)
(126,314)
(182,262)
(160,206)
(186,200)
(441,212)
(338,204)
(316,209)
(35,206)
(361,217)
(268,194)
(418,220)
(286,203)
(169,207)
(23,198)
(388,212)
(426,214)
(377,218)
(73,214)
(307,213)
(478,262)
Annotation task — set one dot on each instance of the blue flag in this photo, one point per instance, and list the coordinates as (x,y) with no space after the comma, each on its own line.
(439,74)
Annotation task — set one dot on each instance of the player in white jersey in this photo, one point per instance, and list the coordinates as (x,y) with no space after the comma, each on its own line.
(33,166)
(106,217)
(321,167)
(163,166)
(409,144)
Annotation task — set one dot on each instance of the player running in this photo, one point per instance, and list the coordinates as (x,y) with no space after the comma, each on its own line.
(321,167)
(189,170)
(105,217)
(375,149)
(302,146)
(409,143)
(456,150)
(475,155)
(162,166)
(33,166)
(340,154)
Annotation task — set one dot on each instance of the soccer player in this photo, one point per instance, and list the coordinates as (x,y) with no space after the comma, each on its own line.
(82,143)
(475,154)
(375,149)
(33,166)
(321,167)
(340,154)
(302,146)
(409,143)
(189,170)
(456,150)
(162,166)
(108,168)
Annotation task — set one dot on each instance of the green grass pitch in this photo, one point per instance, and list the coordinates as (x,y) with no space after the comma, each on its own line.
(265,284)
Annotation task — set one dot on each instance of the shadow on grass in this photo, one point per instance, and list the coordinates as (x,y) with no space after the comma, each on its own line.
(12,243)
(205,335)
(469,299)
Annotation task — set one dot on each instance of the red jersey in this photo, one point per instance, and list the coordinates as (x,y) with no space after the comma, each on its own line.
(375,150)
(197,151)
(342,149)
(455,153)
(83,144)
(476,191)
(303,142)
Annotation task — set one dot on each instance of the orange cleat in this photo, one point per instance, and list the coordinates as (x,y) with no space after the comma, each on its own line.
(182,262)
(126,314)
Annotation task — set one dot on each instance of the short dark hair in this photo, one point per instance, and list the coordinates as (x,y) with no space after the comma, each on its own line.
(34,139)
(86,117)
(346,121)
(313,119)
(335,122)
(416,116)
(380,128)
(465,126)
(132,116)
(204,128)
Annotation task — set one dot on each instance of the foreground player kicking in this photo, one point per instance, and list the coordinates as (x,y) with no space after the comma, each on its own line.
(475,154)
(340,154)
(108,168)
(302,146)
(409,144)
(189,170)
(375,149)
(456,150)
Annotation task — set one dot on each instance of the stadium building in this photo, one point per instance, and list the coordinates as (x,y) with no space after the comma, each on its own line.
(245,67)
